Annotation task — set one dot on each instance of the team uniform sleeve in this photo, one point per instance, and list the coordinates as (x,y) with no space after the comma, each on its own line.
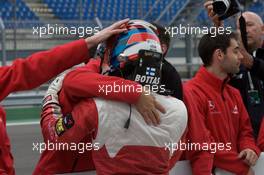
(84,118)
(203,161)
(261,137)
(246,138)
(6,158)
(229,160)
(93,65)
(38,68)
(84,82)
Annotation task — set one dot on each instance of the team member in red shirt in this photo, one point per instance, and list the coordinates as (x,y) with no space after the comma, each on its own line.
(261,137)
(217,116)
(38,68)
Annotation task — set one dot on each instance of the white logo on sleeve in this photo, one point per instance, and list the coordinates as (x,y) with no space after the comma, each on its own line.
(235,110)
(212,107)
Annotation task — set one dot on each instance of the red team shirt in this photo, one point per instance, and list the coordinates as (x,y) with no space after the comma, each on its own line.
(29,73)
(217,115)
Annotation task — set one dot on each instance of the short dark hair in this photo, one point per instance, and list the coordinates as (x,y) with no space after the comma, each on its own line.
(209,43)
(164,36)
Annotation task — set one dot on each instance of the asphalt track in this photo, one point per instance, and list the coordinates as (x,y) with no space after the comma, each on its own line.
(22,137)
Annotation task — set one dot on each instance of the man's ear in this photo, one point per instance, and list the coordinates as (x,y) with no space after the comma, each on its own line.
(219,55)
(164,48)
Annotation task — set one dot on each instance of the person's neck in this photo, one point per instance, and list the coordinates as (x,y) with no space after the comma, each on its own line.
(217,72)
(251,49)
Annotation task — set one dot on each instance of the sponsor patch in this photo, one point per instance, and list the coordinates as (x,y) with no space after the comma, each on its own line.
(59,127)
(64,123)
(212,107)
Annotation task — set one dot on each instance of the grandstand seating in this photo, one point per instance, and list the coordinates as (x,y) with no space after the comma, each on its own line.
(64,9)
(110,10)
(106,10)
(22,11)
(258,8)
(161,6)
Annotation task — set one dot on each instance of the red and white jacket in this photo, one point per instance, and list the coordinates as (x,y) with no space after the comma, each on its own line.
(261,137)
(140,148)
(82,83)
(217,115)
(29,73)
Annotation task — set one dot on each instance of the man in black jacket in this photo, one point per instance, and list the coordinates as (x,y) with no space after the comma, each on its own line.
(250,79)
(170,77)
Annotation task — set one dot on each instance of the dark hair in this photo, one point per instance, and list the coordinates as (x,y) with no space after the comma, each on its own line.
(209,43)
(164,36)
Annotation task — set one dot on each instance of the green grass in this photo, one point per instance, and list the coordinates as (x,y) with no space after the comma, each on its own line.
(22,114)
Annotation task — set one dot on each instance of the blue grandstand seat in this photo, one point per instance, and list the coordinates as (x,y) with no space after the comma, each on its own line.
(22,12)
(106,10)
(258,8)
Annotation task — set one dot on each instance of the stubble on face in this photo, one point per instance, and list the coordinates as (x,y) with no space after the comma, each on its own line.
(232,59)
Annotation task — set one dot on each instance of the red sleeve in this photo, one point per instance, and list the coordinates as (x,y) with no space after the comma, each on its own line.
(85,115)
(261,137)
(228,160)
(82,83)
(93,65)
(246,138)
(202,161)
(3,115)
(38,68)
(6,158)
